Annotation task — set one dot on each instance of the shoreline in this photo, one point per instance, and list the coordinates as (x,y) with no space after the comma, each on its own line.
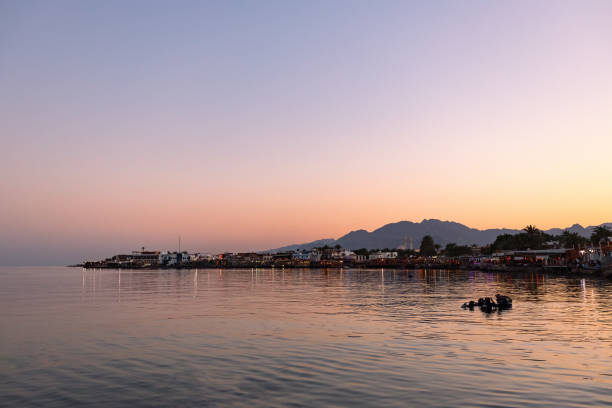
(559,271)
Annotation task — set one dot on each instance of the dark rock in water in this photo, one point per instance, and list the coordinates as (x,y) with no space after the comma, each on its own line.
(469,305)
(503,302)
(488,305)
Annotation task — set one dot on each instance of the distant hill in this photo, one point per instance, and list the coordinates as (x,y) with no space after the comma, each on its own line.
(400,234)
(584,231)
(306,246)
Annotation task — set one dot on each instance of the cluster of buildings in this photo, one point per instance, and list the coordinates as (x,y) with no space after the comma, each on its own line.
(157,258)
(554,257)
(324,257)
(591,258)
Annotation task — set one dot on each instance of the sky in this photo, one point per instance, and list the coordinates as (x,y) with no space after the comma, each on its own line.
(247,125)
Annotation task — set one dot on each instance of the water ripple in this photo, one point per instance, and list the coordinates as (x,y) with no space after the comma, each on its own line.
(300,338)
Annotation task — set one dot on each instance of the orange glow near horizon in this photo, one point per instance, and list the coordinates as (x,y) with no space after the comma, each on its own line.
(491,115)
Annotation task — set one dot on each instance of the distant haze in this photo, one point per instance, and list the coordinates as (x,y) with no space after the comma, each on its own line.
(244,125)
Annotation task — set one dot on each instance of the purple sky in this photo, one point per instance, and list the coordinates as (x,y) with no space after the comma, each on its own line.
(250,125)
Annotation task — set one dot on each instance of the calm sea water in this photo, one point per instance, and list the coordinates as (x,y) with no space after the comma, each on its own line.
(111,338)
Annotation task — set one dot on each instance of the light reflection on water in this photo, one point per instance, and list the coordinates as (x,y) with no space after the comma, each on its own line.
(301,337)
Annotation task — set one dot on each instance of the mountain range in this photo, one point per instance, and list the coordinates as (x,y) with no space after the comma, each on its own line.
(406,234)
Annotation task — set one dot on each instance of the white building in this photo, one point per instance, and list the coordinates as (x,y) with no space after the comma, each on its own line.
(383,255)
(361,258)
(343,254)
(174,258)
(207,257)
(315,256)
(301,256)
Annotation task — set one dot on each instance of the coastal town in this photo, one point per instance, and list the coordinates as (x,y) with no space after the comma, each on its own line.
(529,251)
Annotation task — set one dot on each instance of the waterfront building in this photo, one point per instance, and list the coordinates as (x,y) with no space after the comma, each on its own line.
(344,254)
(207,257)
(282,258)
(315,256)
(544,257)
(301,256)
(244,259)
(251,257)
(383,255)
(139,257)
(175,258)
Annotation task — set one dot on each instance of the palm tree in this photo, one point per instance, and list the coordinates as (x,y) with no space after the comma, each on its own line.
(571,239)
(534,236)
(600,233)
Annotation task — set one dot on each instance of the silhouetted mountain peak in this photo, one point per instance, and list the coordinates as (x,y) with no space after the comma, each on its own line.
(359,231)
(404,234)
(432,221)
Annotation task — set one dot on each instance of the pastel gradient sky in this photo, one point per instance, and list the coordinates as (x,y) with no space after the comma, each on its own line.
(254,124)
